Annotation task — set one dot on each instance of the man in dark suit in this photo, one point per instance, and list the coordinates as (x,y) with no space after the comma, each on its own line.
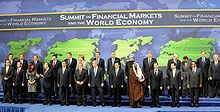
(47,84)
(214,76)
(80,79)
(38,66)
(72,62)
(24,64)
(96,81)
(13,62)
(116,83)
(176,60)
(156,79)
(148,65)
(203,63)
(99,60)
(18,82)
(55,65)
(64,82)
(23,61)
(128,66)
(194,81)
(7,78)
(174,84)
(101,64)
(185,67)
(110,66)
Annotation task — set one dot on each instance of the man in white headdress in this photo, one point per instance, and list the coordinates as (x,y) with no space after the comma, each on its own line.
(136,86)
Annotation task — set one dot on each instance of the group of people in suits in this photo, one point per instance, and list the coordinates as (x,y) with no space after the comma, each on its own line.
(71,77)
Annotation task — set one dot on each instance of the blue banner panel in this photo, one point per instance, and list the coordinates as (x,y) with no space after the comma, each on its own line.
(111,19)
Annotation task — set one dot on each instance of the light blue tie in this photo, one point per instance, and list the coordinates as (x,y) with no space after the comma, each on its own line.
(116,72)
(95,71)
(113,61)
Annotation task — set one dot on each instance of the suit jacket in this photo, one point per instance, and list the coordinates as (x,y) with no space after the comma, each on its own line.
(19,78)
(38,67)
(118,80)
(214,71)
(80,77)
(110,67)
(156,80)
(72,65)
(24,64)
(55,68)
(174,81)
(47,78)
(9,75)
(178,64)
(64,79)
(206,65)
(185,70)
(96,80)
(195,79)
(147,67)
(101,63)
(128,66)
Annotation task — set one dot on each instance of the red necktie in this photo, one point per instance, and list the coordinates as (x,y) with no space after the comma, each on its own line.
(18,71)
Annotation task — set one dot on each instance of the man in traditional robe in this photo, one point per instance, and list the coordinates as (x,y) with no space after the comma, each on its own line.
(136,86)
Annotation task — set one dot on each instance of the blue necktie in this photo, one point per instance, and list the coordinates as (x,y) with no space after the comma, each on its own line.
(95,71)
(116,72)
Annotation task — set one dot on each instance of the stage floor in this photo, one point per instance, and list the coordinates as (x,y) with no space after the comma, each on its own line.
(73,108)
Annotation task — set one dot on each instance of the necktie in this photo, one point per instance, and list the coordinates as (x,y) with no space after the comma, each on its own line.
(18,71)
(116,72)
(155,72)
(69,61)
(203,62)
(216,63)
(174,73)
(63,70)
(97,60)
(149,61)
(95,70)
(185,64)
(54,63)
(194,71)
(80,71)
(7,70)
(113,61)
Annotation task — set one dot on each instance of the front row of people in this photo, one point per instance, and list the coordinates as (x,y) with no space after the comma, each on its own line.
(94,78)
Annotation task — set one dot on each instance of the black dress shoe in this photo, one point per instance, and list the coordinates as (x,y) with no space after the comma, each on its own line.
(45,103)
(50,103)
(212,96)
(102,104)
(191,105)
(62,104)
(196,105)
(67,104)
(4,101)
(177,105)
(158,106)
(94,104)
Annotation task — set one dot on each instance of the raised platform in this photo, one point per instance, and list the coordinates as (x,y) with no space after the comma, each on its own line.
(73,108)
(164,101)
